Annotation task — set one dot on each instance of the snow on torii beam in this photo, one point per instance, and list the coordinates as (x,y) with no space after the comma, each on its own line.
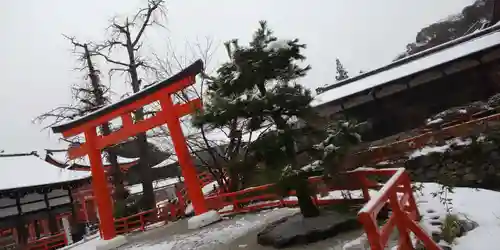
(170,113)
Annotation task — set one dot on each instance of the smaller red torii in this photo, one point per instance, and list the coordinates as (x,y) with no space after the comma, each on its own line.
(170,114)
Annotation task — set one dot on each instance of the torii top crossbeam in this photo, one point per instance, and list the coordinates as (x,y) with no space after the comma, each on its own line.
(170,113)
(123,108)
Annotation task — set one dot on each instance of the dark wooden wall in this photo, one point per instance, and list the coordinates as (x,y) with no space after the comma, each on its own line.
(410,108)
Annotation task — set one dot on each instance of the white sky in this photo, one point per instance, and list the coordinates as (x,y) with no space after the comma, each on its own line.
(36,61)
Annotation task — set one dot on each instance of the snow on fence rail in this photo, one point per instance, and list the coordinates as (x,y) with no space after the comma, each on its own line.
(397,192)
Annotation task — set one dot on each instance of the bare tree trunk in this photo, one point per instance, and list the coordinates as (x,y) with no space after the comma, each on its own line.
(148,196)
(116,173)
(128,35)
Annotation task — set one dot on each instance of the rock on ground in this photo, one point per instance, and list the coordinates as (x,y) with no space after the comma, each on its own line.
(299,230)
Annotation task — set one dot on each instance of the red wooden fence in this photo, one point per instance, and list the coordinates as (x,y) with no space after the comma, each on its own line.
(397,192)
(48,243)
(265,196)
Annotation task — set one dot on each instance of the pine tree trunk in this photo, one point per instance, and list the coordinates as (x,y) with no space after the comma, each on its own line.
(148,196)
(234,180)
(119,194)
(306,204)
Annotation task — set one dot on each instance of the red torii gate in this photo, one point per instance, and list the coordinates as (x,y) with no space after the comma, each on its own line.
(170,113)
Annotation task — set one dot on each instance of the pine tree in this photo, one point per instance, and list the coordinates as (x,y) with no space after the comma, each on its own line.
(341,137)
(258,86)
(341,71)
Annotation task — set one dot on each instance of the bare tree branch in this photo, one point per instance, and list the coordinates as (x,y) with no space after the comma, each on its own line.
(109,59)
(146,16)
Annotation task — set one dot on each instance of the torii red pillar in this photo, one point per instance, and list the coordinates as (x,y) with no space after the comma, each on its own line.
(171,112)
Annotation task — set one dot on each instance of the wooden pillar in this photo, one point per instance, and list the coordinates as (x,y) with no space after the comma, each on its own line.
(50,217)
(496,12)
(45,227)
(100,187)
(187,167)
(84,208)
(22,234)
(72,202)
(31,230)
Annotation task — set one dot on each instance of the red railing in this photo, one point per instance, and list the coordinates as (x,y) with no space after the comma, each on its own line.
(451,129)
(205,178)
(48,243)
(140,221)
(6,233)
(397,192)
(266,196)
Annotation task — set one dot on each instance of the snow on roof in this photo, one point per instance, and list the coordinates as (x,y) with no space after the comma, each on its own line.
(163,144)
(416,63)
(137,188)
(121,160)
(30,170)
(62,158)
(170,160)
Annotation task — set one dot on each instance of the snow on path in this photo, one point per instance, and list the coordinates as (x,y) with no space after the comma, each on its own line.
(220,233)
(90,243)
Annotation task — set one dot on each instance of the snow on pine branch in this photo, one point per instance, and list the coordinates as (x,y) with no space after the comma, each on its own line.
(278,45)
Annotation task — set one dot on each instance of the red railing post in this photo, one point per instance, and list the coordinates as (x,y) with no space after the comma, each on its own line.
(14,234)
(371,230)
(411,200)
(399,214)
(173,211)
(125,225)
(405,222)
(180,198)
(236,207)
(361,177)
(65,240)
(141,220)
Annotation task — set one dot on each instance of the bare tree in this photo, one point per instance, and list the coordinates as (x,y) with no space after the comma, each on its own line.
(127,36)
(89,97)
(232,150)
(197,140)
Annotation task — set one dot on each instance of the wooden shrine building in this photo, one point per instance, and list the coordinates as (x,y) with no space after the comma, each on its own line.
(35,197)
(402,95)
(83,196)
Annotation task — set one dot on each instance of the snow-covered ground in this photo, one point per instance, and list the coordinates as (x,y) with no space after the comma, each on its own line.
(89,242)
(481,206)
(219,234)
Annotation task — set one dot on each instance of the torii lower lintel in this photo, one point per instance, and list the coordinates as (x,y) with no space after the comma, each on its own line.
(161,92)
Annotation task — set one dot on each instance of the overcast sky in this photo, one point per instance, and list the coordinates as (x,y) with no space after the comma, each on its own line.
(36,61)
